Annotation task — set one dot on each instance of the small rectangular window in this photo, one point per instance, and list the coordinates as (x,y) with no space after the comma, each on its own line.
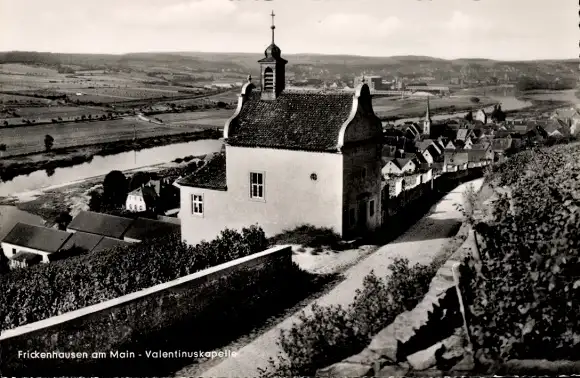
(197,204)
(256,185)
(372,208)
(363,173)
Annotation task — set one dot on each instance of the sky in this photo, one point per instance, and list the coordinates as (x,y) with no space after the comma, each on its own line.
(494,29)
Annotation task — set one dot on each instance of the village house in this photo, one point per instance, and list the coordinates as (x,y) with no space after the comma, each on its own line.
(122,229)
(143,228)
(430,149)
(450,146)
(480,116)
(94,223)
(291,158)
(569,116)
(398,166)
(456,158)
(149,197)
(27,245)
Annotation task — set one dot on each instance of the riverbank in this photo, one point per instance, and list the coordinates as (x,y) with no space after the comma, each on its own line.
(73,197)
(14,166)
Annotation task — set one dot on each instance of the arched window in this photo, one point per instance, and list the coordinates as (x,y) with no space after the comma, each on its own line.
(268,79)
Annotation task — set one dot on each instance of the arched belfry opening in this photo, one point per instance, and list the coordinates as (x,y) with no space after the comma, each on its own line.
(268,79)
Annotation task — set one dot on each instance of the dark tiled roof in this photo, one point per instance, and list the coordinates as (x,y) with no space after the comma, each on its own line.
(36,237)
(401,162)
(391,131)
(476,155)
(100,224)
(82,240)
(144,228)
(420,158)
(211,176)
(108,243)
(294,120)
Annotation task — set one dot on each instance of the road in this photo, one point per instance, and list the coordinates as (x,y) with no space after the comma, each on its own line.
(420,244)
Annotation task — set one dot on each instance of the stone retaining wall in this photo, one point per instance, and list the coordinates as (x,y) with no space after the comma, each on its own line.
(136,320)
(429,340)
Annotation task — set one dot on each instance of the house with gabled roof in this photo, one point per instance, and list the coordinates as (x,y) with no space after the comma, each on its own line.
(26,241)
(94,223)
(569,116)
(431,150)
(398,166)
(291,158)
(143,229)
(450,146)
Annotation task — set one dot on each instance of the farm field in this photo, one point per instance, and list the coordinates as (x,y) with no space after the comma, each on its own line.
(81,133)
(208,117)
(47,114)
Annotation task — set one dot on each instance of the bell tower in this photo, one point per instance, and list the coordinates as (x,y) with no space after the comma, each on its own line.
(427,121)
(272,69)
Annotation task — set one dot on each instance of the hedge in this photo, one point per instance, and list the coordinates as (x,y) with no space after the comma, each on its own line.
(333,333)
(209,317)
(47,290)
(524,295)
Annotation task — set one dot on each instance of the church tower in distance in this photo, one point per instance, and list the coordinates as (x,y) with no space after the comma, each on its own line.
(427,121)
(272,70)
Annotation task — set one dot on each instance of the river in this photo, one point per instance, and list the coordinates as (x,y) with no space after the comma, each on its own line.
(507,103)
(101,165)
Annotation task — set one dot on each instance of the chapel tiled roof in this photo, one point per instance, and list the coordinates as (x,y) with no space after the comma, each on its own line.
(36,237)
(294,120)
(211,176)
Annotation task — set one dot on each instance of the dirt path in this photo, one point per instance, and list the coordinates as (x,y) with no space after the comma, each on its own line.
(420,244)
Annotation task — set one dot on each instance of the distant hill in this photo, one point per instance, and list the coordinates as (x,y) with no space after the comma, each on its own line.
(313,66)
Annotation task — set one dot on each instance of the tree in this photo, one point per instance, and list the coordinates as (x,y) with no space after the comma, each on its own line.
(5,123)
(475,100)
(498,115)
(48,142)
(115,189)
(138,179)
(83,117)
(63,219)
(469,116)
(95,201)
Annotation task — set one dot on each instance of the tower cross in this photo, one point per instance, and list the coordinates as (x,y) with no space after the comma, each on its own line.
(272,27)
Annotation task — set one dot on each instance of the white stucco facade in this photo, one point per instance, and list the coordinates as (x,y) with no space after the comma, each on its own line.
(135,203)
(10,250)
(291,195)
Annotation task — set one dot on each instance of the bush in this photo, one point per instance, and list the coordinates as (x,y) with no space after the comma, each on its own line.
(475,100)
(524,303)
(81,281)
(333,333)
(308,236)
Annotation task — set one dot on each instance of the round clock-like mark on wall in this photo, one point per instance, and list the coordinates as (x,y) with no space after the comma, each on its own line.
(313,177)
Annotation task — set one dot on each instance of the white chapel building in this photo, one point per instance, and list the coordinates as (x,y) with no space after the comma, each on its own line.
(291,158)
